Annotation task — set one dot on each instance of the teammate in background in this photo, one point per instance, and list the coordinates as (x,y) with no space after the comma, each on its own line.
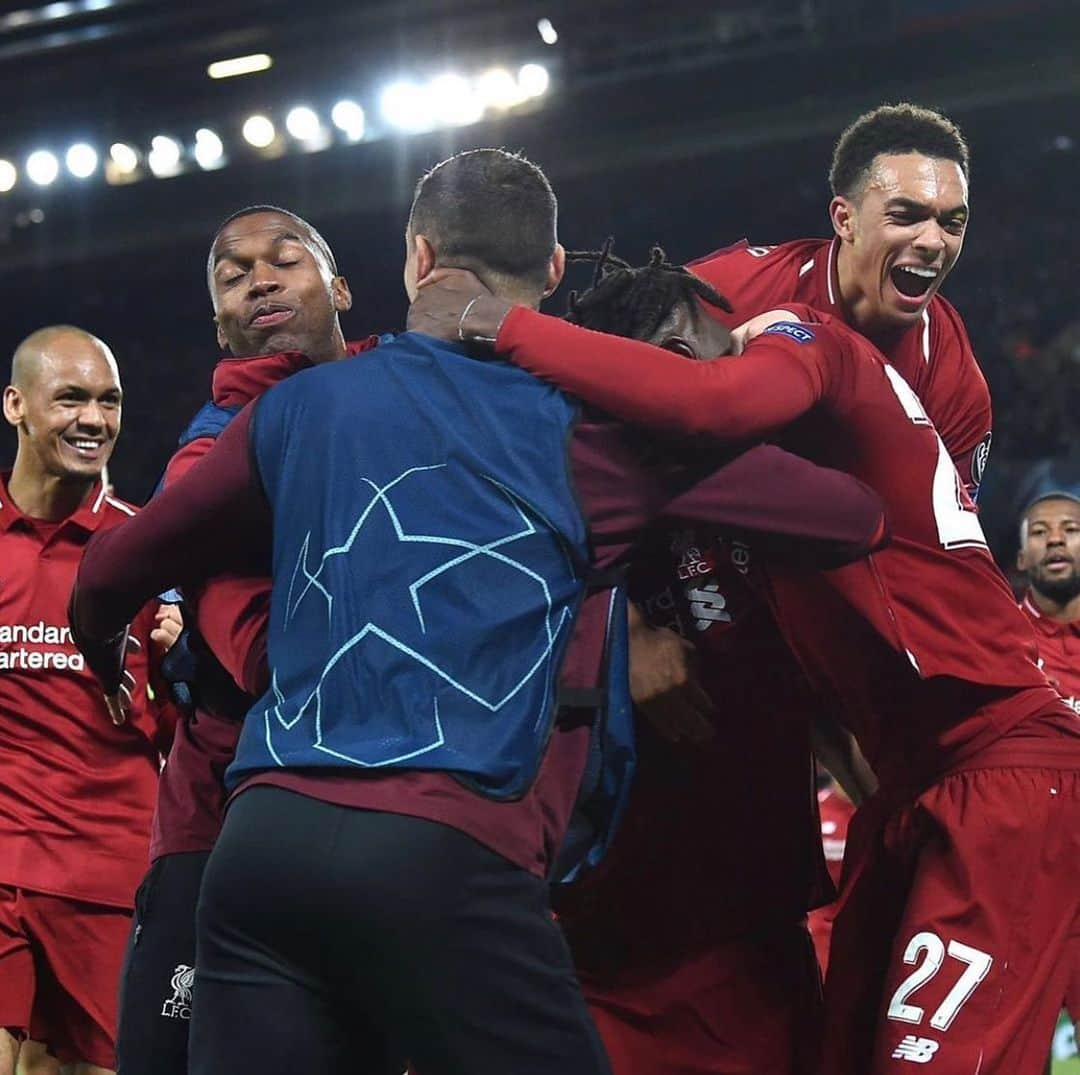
(1050,557)
(927,661)
(277,295)
(514,1004)
(836,811)
(77,791)
(899,212)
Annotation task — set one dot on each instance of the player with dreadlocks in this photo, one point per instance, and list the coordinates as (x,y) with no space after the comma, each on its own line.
(690,943)
(962,874)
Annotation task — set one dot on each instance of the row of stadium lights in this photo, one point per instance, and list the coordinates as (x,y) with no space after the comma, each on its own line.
(410,107)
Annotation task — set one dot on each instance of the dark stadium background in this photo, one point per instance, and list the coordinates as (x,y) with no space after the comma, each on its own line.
(687,122)
(690,123)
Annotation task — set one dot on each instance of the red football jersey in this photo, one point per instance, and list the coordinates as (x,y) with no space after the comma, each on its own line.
(1059,649)
(934,356)
(76,792)
(657,897)
(920,647)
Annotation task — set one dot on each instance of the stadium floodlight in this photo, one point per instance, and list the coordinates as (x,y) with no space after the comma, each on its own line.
(348,117)
(453,100)
(164,156)
(303,123)
(533,80)
(407,106)
(498,89)
(240,65)
(209,151)
(124,158)
(548,34)
(8,176)
(81,160)
(259,131)
(42,167)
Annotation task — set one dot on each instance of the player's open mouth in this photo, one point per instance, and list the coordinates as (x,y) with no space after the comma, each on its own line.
(913,281)
(85,447)
(265,316)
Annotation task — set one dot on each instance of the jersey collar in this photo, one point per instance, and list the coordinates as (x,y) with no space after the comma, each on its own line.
(87,516)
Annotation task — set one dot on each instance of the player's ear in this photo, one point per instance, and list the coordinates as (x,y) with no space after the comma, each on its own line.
(556,270)
(339,289)
(1021,561)
(842,215)
(221,341)
(425,257)
(13,405)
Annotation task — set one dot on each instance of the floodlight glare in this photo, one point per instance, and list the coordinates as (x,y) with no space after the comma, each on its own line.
(302,123)
(453,100)
(81,160)
(124,157)
(164,155)
(259,131)
(533,80)
(407,106)
(348,117)
(548,34)
(209,151)
(8,176)
(42,167)
(498,88)
(240,65)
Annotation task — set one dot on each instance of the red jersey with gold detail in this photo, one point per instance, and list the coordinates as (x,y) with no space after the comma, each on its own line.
(934,356)
(76,792)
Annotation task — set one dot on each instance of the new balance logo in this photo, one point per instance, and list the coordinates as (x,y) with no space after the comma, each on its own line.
(178,1006)
(917,1050)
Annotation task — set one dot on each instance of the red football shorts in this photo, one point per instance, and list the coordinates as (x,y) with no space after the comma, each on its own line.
(60,965)
(951,945)
(748,1006)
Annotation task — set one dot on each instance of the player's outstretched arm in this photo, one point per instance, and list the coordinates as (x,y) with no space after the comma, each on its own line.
(730,400)
(213,519)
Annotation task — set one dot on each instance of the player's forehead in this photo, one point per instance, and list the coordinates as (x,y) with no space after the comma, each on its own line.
(1053,512)
(76,363)
(259,230)
(931,181)
(692,321)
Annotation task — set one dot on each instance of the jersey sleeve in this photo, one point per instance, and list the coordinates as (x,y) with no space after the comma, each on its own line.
(232,611)
(781,376)
(957,397)
(741,273)
(213,518)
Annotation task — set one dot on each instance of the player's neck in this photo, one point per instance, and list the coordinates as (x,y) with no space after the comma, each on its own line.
(859,309)
(333,350)
(46,496)
(1066,612)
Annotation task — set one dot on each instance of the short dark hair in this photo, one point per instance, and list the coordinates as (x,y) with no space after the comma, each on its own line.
(252,210)
(635,302)
(489,211)
(900,128)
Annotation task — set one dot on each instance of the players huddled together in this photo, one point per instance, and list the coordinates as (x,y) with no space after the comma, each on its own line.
(455,703)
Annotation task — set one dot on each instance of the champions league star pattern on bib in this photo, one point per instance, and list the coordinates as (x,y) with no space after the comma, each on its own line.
(403,627)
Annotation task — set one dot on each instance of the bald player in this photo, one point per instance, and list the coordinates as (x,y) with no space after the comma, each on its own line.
(76,791)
